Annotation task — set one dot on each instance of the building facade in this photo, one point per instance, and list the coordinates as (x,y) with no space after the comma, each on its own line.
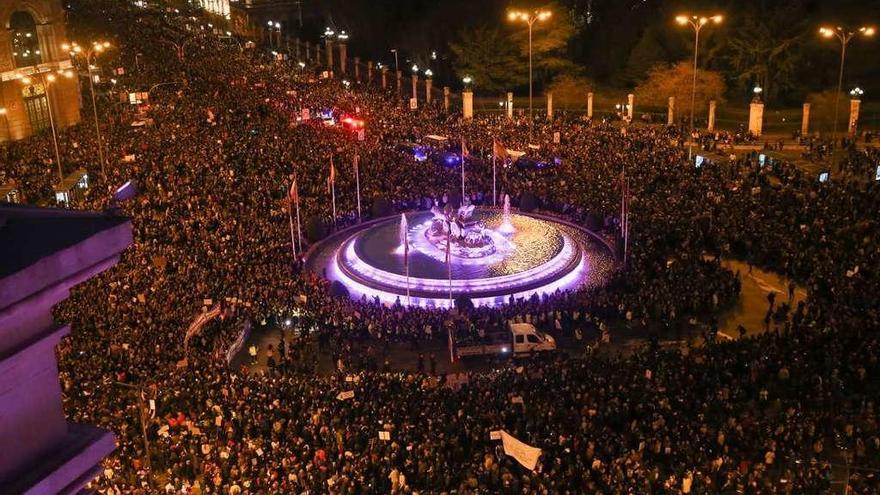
(38,86)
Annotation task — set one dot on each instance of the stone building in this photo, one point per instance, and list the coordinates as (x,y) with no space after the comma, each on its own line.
(43,254)
(38,85)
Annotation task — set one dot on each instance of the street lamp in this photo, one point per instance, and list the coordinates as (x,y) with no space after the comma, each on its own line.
(47,79)
(396,68)
(429,73)
(96,48)
(696,22)
(844,36)
(529,18)
(856,92)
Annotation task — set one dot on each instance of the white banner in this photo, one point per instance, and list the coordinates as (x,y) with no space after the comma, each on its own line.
(346,395)
(524,453)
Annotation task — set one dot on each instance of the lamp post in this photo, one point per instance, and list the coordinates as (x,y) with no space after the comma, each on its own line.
(97,47)
(844,36)
(46,80)
(276,27)
(696,22)
(529,18)
(394,51)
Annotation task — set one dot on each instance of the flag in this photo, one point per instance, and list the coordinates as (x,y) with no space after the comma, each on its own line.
(464,151)
(293,195)
(405,252)
(332,172)
(498,149)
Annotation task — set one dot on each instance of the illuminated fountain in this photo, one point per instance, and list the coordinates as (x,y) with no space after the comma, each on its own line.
(480,253)
(506,227)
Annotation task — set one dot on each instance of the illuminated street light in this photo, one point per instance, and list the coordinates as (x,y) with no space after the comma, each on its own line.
(46,80)
(97,47)
(696,22)
(844,36)
(856,92)
(415,69)
(429,73)
(467,80)
(529,18)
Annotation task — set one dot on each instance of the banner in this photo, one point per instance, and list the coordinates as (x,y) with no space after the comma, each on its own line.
(524,453)
(239,342)
(345,395)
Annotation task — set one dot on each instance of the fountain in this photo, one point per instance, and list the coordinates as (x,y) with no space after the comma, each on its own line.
(402,235)
(506,227)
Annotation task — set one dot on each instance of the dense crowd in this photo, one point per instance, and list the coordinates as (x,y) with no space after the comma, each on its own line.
(786,411)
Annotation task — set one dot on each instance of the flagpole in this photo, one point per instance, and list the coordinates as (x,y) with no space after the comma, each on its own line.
(449,259)
(357,180)
(290,220)
(298,228)
(333,189)
(494,195)
(462,171)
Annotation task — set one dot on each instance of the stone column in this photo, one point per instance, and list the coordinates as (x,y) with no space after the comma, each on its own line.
(854,105)
(805,121)
(329,46)
(318,54)
(415,87)
(630,106)
(711,126)
(446,98)
(467,104)
(343,57)
(298,49)
(509,105)
(384,78)
(756,117)
(670,114)
(549,106)
(399,81)
(428,84)
(357,69)
(590,105)
(370,72)
(308,51)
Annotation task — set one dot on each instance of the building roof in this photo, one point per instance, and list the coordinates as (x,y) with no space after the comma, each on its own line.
(42,246)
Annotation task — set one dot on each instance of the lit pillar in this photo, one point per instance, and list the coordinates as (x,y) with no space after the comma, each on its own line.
(298,49)
(805,121)
(428,83)
(343,57)
(630,105)
(590,105)
(308,51)
(357,69)
(415,87)
(854,105)
(549,106)
(467,104)
(509,105)
(756,117)
(384,78)
(670,114)
(711,126)
(399,81)
(318,54)
(370,72)
(329,47)
(445,98)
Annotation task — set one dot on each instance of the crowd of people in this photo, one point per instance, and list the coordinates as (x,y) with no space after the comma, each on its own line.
(788,410)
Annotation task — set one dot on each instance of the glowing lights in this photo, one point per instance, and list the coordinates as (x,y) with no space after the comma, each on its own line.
(429,73)
(529,17)
(857,92)
(415,69)
(522,264)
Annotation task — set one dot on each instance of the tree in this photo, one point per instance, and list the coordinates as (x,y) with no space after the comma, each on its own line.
(550,40)
(488,57)
(677,80)
(765,49)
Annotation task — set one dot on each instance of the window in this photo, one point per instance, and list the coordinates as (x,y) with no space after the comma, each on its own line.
(533,339)
(25,43)
(36,106)
(519,339)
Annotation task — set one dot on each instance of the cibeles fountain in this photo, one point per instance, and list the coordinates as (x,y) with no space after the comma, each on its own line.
(489,255)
